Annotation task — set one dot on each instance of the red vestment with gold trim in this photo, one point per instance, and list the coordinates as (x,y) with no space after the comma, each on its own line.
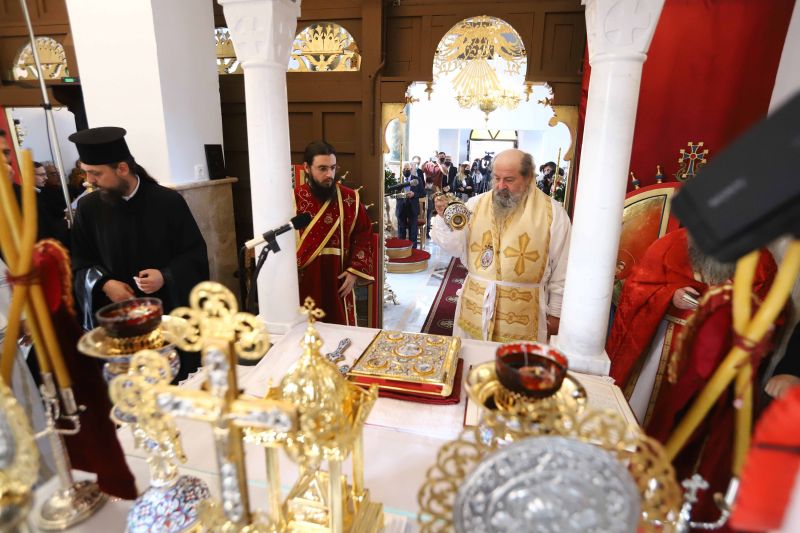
(701,346)
(338,239)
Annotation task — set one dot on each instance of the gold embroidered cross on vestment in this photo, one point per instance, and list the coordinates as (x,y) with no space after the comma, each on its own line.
(521,254)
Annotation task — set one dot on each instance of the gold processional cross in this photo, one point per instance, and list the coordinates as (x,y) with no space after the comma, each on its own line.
(216,328)
(522,254)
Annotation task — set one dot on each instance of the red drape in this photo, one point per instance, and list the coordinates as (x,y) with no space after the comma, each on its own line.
(709,75)
(5,126)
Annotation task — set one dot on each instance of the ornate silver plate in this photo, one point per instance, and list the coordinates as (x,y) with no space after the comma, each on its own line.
(548,484)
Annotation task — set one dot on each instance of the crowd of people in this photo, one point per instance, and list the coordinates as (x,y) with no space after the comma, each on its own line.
(440,175)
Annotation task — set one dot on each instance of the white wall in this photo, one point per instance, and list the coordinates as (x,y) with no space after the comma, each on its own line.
(149,67)
(116,51)
(189,83)
(787,81)
(33,123)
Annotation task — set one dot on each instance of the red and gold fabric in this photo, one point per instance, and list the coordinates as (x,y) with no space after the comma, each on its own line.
(51,261)
(695,343)
(704,342)
(338,239)
(647,298)
(500,300)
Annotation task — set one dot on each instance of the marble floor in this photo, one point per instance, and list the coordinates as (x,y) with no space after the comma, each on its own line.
(415,293)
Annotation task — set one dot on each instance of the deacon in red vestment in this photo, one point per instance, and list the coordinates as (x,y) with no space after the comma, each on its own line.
(335,249)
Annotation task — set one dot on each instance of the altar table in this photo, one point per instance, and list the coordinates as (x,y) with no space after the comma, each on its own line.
(401,439)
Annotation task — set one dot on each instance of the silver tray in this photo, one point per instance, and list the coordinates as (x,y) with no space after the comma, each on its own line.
(548,484)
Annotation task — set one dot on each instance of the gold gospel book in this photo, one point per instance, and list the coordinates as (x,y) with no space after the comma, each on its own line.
(413,363)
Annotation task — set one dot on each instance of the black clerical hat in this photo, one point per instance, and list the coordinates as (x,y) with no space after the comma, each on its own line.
(101,146)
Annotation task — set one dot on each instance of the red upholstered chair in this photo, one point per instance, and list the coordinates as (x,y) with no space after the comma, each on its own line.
(646,218)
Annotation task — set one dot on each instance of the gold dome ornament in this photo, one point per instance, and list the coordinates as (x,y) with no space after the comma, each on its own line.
(316,386)
(332,412)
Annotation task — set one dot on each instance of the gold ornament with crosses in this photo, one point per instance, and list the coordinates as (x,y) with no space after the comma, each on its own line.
(217,329)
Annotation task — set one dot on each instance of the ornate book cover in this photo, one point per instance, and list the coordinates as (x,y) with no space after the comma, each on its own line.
(414,363)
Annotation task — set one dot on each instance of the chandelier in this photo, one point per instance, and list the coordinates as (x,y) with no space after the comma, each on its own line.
(469,49)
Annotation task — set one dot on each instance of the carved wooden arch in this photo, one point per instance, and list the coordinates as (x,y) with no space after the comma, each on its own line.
(52,56)
(391,111)
(324,47)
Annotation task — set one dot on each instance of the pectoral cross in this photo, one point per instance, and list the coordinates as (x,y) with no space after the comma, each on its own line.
(221,332)
(693,485)
(522,254)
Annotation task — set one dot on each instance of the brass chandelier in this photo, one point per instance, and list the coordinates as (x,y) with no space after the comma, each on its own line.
(468,49)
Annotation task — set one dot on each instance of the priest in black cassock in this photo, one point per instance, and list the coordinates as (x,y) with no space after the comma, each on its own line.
(132,237)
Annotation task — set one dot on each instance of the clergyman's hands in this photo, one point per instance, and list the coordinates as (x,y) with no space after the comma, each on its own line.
(117,291)
(552,325)
(150,280)
(348,283)
(685,298)
(780,384)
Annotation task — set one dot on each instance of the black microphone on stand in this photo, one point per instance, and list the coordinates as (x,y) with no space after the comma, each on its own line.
(298,222)
(270,237)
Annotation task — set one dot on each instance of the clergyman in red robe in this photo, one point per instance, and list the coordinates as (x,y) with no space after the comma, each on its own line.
(653,292)
(695,347)
(335,249)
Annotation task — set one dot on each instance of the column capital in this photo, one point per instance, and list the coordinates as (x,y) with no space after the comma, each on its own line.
(620,29)
(262,30)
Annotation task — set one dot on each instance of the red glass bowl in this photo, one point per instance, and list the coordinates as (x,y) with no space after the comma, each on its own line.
(530,368)
(130,318)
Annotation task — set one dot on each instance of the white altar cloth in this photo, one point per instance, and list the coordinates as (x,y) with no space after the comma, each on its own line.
(401,439)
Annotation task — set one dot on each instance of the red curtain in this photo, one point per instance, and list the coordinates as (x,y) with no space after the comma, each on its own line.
(709,75)
(6,127)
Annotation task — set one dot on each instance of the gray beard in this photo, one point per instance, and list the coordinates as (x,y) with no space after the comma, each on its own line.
(711,271)
(504,203)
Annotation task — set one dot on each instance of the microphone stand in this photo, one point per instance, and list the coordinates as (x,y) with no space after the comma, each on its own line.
(271,245)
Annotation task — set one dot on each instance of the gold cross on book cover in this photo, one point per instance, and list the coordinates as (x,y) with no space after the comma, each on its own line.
(413,363)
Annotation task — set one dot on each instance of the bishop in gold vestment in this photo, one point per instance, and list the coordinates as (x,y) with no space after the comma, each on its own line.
(515,248)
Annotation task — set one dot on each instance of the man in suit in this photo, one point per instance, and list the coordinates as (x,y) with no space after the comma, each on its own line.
(408,206)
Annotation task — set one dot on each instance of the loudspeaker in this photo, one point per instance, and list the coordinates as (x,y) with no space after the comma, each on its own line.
(215,161)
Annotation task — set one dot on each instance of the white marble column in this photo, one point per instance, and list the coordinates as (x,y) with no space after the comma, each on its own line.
(262,33)
(619,34)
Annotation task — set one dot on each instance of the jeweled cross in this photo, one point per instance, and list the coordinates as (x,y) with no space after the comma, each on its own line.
(522,254)
(693,485)
(690,160)
(221,332)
